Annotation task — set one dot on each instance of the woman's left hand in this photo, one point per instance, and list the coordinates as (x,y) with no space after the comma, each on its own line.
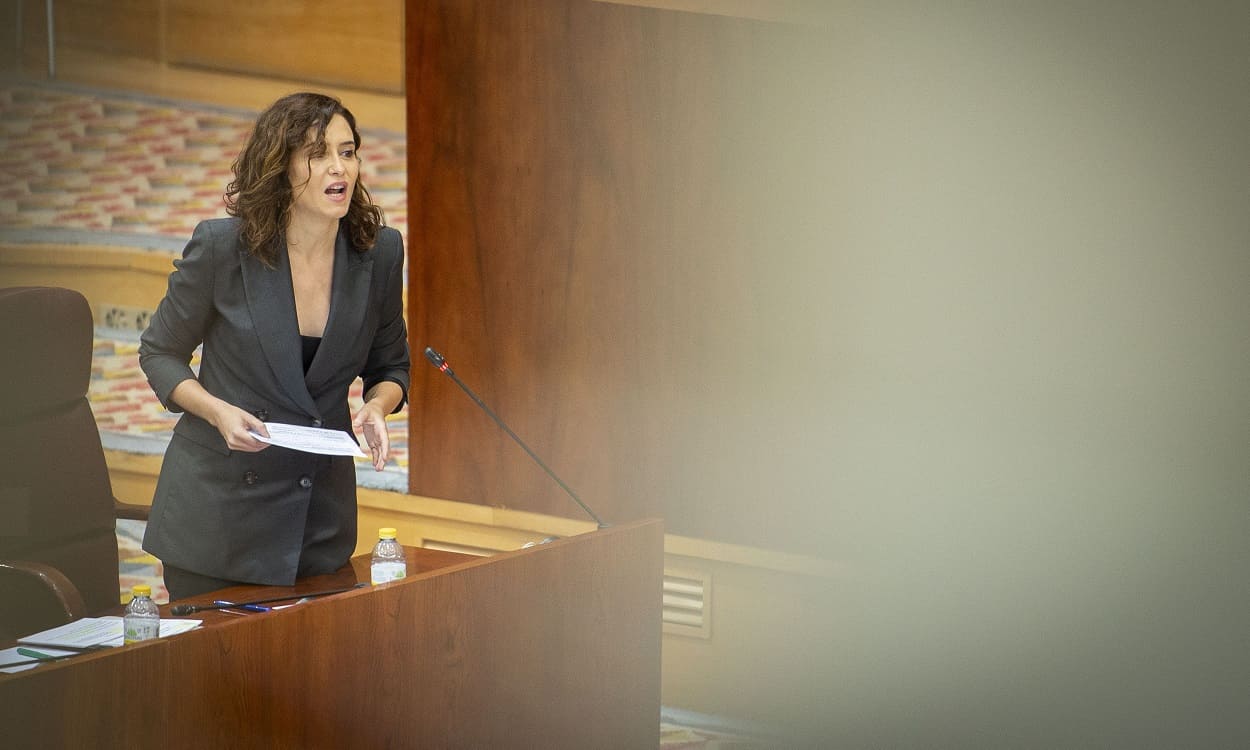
(371,420)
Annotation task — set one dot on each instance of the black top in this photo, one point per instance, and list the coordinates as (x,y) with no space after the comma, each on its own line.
(309,345)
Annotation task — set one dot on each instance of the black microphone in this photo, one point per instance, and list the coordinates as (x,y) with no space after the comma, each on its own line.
(178,610)
(438,361)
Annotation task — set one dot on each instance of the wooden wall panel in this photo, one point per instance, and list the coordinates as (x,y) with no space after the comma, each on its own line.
(595,244)
(119,27)
(358,45)
(313,43)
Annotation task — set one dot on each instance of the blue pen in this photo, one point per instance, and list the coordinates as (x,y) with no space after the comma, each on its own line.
(248,607)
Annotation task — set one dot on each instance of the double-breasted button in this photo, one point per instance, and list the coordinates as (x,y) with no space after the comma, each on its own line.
(305,482)
(316,423)
(250,477)
(262,415)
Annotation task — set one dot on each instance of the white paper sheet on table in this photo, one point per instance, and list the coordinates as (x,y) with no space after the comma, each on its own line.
(311,440)
(83,633)
(106,631)
(11,656)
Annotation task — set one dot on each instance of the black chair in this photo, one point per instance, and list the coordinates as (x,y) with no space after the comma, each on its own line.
(58,541)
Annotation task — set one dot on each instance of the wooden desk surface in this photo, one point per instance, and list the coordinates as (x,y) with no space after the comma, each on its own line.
(356,571)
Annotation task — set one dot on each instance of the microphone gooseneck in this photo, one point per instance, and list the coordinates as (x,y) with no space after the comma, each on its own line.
(180,610)
(440,363)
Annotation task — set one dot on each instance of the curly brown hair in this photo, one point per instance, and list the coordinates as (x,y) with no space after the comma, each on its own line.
(260,194)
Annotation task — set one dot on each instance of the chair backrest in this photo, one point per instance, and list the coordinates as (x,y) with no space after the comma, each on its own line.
(56,501)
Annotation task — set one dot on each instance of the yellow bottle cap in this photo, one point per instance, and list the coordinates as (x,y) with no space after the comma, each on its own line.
(141,589)
(386,533)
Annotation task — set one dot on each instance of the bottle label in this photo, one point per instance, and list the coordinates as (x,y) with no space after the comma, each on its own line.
(385,572)
(136,629)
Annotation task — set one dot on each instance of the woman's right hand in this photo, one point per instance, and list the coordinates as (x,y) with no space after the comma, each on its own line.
(236,427)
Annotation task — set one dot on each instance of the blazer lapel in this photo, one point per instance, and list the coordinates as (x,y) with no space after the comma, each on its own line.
(349,303)
(271,301)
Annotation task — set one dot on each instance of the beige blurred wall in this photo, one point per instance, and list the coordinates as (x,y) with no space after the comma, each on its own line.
(1027,325)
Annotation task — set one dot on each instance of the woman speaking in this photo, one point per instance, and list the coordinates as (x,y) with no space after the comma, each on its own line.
(293,297)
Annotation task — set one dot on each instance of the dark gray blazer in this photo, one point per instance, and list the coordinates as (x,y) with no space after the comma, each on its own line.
(266,517)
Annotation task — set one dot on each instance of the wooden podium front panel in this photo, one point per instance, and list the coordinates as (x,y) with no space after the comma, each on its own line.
(109,699)
(554,646)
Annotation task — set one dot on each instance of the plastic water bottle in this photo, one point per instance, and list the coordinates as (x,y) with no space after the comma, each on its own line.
(388,559)
(142,621)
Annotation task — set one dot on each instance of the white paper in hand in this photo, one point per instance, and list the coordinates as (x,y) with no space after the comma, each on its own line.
(310,440)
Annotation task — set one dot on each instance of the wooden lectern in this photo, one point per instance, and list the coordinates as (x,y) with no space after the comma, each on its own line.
(556,646)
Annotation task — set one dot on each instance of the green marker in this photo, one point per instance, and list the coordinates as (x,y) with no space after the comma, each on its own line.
(38,654)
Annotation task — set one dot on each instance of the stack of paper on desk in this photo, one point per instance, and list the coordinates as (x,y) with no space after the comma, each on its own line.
(86,634)
(98,631)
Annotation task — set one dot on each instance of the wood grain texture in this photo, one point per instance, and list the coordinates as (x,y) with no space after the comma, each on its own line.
(598,234)
(556,646)
(311,44)
(124,27)
(360,45)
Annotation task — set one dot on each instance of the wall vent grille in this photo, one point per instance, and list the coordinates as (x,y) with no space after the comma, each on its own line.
(687,603)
